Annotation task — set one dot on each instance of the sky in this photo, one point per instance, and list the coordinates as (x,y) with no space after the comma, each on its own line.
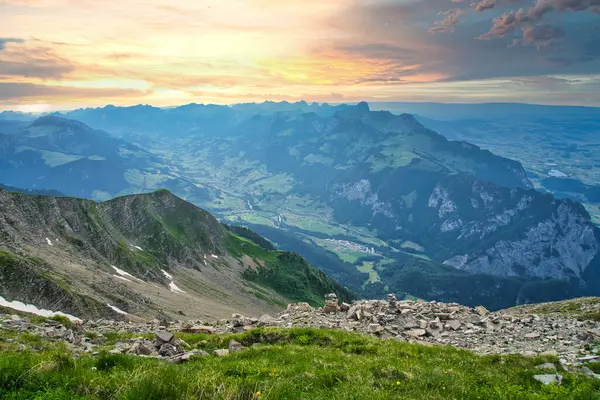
(62,54)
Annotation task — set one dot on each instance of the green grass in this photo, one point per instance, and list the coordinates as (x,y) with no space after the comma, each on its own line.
(291,364)
(368,268)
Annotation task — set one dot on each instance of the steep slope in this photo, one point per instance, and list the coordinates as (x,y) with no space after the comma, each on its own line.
(141,255)
(68,156)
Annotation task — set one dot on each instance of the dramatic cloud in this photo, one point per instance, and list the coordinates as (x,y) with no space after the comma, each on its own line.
(529,21)
(168,52)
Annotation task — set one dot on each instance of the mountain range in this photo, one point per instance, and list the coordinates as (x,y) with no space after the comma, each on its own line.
(376,200)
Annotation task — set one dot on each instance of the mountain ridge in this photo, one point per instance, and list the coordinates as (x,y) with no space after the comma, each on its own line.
(142,254)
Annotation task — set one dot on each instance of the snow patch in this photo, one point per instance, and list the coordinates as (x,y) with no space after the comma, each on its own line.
(137,247)
(117,310)
(557,174)
(174,288)
(123,273)
(30,308)
(49,242)
(214,256)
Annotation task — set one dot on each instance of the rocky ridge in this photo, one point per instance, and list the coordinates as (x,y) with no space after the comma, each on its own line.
(514,331)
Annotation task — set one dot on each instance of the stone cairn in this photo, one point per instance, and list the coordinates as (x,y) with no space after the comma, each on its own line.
(331,303)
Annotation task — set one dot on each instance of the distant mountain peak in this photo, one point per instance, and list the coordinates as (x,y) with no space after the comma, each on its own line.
(363,107)
(57,120)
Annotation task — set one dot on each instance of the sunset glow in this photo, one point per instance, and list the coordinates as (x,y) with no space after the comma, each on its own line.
(71,53)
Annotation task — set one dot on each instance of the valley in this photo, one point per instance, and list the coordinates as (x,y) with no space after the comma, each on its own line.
(376,200)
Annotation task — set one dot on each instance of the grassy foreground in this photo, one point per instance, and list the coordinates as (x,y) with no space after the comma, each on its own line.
(290,364)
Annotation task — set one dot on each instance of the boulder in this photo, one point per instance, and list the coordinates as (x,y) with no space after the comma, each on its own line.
(239,320)
(532,335)
(235,346)
(345,307)
(481,310)
(547,379)
(140,349)
(453,325)
(199,329)
(164,336)
(221,352)
(265,319)
(416,333)
(549,366)
(167,350)
(376,328)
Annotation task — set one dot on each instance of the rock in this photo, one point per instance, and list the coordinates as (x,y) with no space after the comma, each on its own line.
(453,325)
(199,329)
(481,310)
(345,307)
(549,366)
(589,372)
(547,379)
(265,319)
(532,335)
(69,336)
(434,328)
(183,358)
(353,313)
(235,346)
(221,352)
(299,307)
(140,349)
(239,320)
(416,332)
(588,358)
(167,350)
(376,328)
(164,336)
(410,323)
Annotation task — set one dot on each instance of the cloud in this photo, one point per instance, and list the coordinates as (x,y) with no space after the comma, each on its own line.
(21,91)
(563,49)
(506,23)
(485,5)
(447,24)
(530,21)
(33,62)
(4,41)
(540,35)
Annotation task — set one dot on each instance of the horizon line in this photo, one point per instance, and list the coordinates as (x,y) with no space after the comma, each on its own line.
(15,109)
